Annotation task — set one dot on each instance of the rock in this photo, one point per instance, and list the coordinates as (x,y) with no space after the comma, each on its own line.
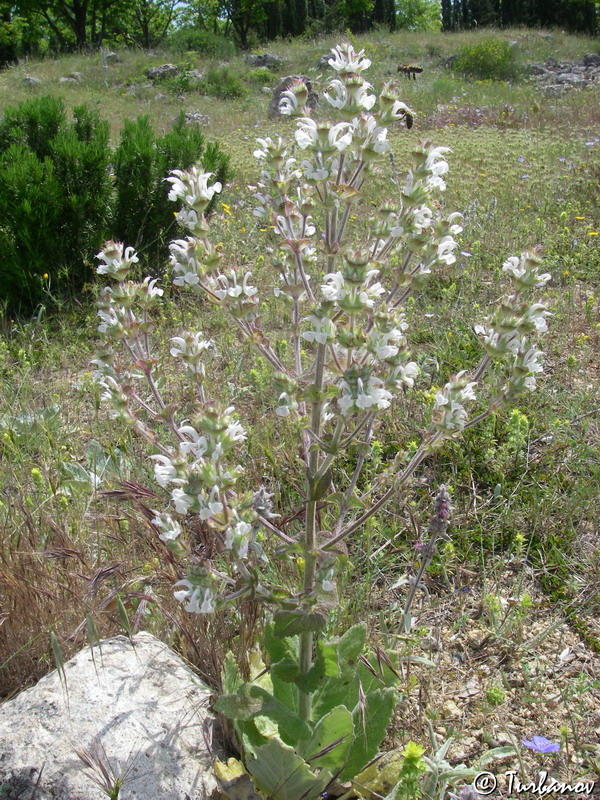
(195,118)
(450,710)
(323,62)
(591,60)
(67,79)
(571,78)
(537,69)
(141,706)
(162,72)
(283,85)
(551,62)
(111,58)
(31,80)
(269,60)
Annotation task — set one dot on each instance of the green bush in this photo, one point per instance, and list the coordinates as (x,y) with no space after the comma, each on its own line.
(488,59)
(143,215)
(58,203)
(54,199)
(207,43)
(261,76)
(221,82)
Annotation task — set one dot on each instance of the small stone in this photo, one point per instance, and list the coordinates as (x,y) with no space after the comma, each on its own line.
(67,79)
(111,58)
(31,80)
(591,60)
(163,71)
(450,710)
(269,60)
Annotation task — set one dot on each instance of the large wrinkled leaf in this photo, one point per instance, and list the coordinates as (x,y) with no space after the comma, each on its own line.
(293,623)
(234,781)
(252,701)
(369,730)
(331,740)
(281,774)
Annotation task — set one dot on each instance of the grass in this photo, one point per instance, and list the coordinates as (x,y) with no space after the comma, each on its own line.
(525,170)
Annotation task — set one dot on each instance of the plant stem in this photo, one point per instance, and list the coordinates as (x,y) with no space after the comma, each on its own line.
(310,530)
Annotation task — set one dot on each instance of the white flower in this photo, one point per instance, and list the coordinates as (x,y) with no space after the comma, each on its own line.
(334,287)
(164,470)
(211,506)
(182,501)
(236,538)
(169,528)
(524,271)
(323,330)
(200,599)
(339,96)
(406,374)
(288,103)
(345,59)
(117,260)
(373,394)
(192,187)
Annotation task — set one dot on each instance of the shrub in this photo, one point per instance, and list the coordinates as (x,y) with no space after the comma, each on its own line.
(221,82)
(57,201)
(261,75)
(142,214)
(54,198)
(209,44)
(490,58)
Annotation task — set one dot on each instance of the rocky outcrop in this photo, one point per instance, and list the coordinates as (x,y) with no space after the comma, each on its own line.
(269,60)
(556,77)
(135,706)
(163,71)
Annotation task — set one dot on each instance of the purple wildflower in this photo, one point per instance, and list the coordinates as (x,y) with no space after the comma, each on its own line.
(562,158)
(524,175)
(521,159)
(541,745)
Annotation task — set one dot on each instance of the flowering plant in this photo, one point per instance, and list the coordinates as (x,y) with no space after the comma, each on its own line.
(322,707)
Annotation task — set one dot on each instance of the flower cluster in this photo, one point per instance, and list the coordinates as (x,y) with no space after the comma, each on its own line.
(346,360)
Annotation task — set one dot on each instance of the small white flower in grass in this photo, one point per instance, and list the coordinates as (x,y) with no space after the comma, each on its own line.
(327,583)
(536,316)
(197,599)
(182,501)
(333,289)
(169,528)
(211,506)
(236,538)
(449,414)
(405,374)
(117,260)
(165,471)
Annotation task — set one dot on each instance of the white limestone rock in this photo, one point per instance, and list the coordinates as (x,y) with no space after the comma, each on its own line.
(141,705)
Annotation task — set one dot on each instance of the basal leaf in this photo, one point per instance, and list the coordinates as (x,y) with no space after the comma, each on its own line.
(281,774)
(331,740)
(369,729)
(292,623)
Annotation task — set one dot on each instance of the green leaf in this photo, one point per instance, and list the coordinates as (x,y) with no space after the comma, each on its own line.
(352,643)
(496,752)
(335,728)
(231,679)
(234,781)
(253,701)
(292,623)
(370,732)
(281,774)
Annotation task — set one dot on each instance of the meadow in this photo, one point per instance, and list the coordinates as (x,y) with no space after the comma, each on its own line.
(507,639)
